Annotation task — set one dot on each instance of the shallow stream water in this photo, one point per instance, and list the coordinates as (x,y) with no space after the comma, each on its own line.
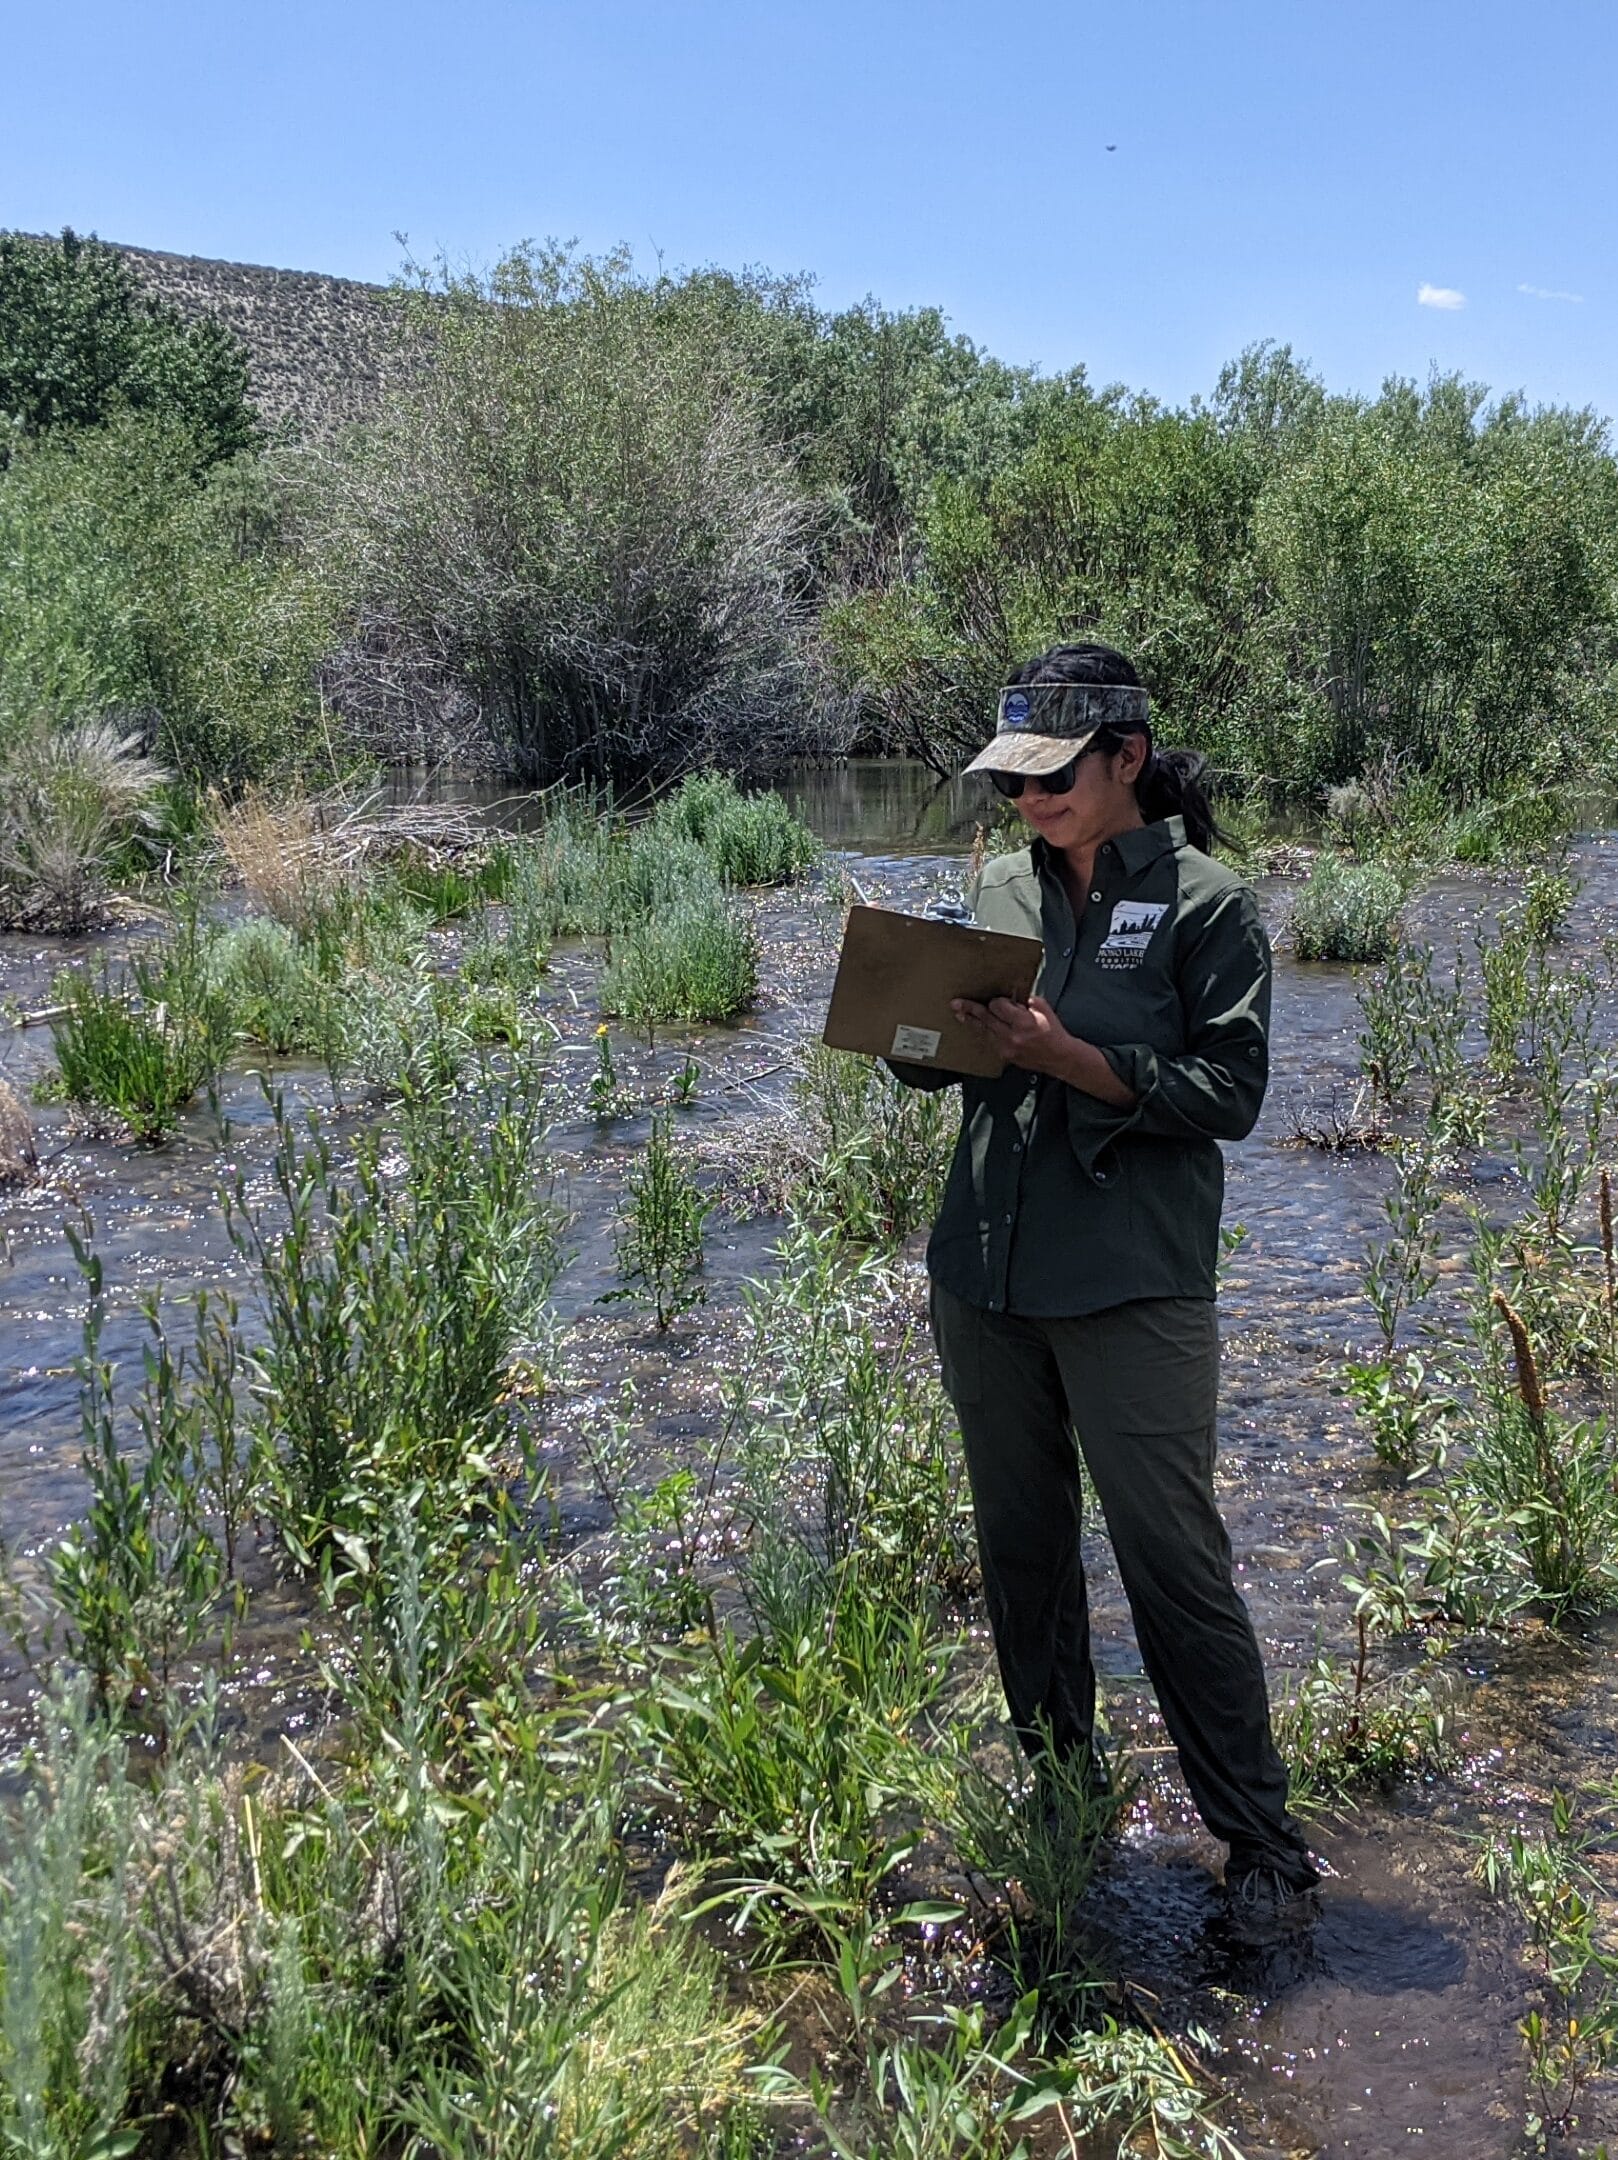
(1397,2030)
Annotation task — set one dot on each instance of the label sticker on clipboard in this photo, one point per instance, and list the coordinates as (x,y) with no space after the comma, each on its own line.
(915,1042)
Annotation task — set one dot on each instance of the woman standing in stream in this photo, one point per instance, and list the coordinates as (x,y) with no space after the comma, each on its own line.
(1073,1261)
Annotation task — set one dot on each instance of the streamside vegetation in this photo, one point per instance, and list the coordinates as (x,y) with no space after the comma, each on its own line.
(607,524)
(1492,1391)
(385,940)
(674,1814)
(609,1847)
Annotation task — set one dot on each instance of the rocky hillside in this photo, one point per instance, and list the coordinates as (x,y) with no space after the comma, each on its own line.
(318,346)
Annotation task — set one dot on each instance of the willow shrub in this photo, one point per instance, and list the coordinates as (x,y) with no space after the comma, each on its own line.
(1309,583)
(394,1299)
(875,1154)
(131,584)
(568,510)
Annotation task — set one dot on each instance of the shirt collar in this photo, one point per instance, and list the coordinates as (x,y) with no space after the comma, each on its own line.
(1140,845)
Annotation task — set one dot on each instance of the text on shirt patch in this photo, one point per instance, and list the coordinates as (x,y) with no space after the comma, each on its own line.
(1133,922)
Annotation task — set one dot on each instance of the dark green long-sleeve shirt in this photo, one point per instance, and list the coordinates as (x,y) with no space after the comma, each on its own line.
(1057,1203)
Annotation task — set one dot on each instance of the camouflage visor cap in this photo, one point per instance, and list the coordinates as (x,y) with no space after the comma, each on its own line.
(1039,726)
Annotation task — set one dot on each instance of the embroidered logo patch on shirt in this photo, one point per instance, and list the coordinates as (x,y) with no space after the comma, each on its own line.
(1133,922)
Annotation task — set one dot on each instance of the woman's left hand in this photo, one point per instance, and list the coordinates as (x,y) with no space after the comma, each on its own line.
(1027,1035)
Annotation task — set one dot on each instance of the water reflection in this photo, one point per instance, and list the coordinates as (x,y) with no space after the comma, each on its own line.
(890,806)
(886,805)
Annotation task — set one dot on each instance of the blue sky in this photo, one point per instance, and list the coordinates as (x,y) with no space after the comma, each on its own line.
(1291,169)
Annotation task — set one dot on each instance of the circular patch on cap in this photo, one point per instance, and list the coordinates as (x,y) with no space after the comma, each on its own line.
(1014,712)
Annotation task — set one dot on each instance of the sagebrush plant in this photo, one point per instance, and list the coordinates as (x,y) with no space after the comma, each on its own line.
(1347,911)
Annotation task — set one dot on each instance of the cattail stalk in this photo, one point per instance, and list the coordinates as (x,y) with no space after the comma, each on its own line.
(1529,1385)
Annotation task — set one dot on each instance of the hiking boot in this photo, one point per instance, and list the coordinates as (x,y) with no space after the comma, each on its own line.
(1264,1908)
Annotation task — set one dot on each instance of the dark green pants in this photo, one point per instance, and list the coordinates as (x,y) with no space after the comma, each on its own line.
(1138,1386)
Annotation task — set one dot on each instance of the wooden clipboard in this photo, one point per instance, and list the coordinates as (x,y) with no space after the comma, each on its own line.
(896,975)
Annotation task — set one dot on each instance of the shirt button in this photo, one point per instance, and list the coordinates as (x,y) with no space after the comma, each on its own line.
(1067,952)
(1008,1218)
(1016,1147)
(1252,1052)
(1101,1177)
(1095,896)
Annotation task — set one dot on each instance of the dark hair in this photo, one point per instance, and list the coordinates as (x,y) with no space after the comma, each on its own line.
(1172,783)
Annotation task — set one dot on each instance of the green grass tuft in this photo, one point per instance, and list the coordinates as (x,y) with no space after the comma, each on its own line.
(695,960)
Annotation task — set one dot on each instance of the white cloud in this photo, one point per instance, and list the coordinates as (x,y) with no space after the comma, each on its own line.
(1543,292)
(1440,296)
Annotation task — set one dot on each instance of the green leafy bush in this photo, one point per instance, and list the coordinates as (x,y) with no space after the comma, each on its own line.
(126,589)
(80,342)
(749,839)
(1347,912)
(695,959)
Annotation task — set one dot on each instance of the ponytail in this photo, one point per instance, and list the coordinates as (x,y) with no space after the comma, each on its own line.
(1173,783)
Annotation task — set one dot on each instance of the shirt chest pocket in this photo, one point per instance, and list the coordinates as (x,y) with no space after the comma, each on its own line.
(1121,986)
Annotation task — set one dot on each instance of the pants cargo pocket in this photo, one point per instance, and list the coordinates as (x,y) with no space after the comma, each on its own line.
(958,1339)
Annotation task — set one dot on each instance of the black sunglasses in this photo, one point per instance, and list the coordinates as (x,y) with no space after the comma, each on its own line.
(1011,784)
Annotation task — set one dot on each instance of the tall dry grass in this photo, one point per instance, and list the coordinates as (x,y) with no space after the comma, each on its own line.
(288,855)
